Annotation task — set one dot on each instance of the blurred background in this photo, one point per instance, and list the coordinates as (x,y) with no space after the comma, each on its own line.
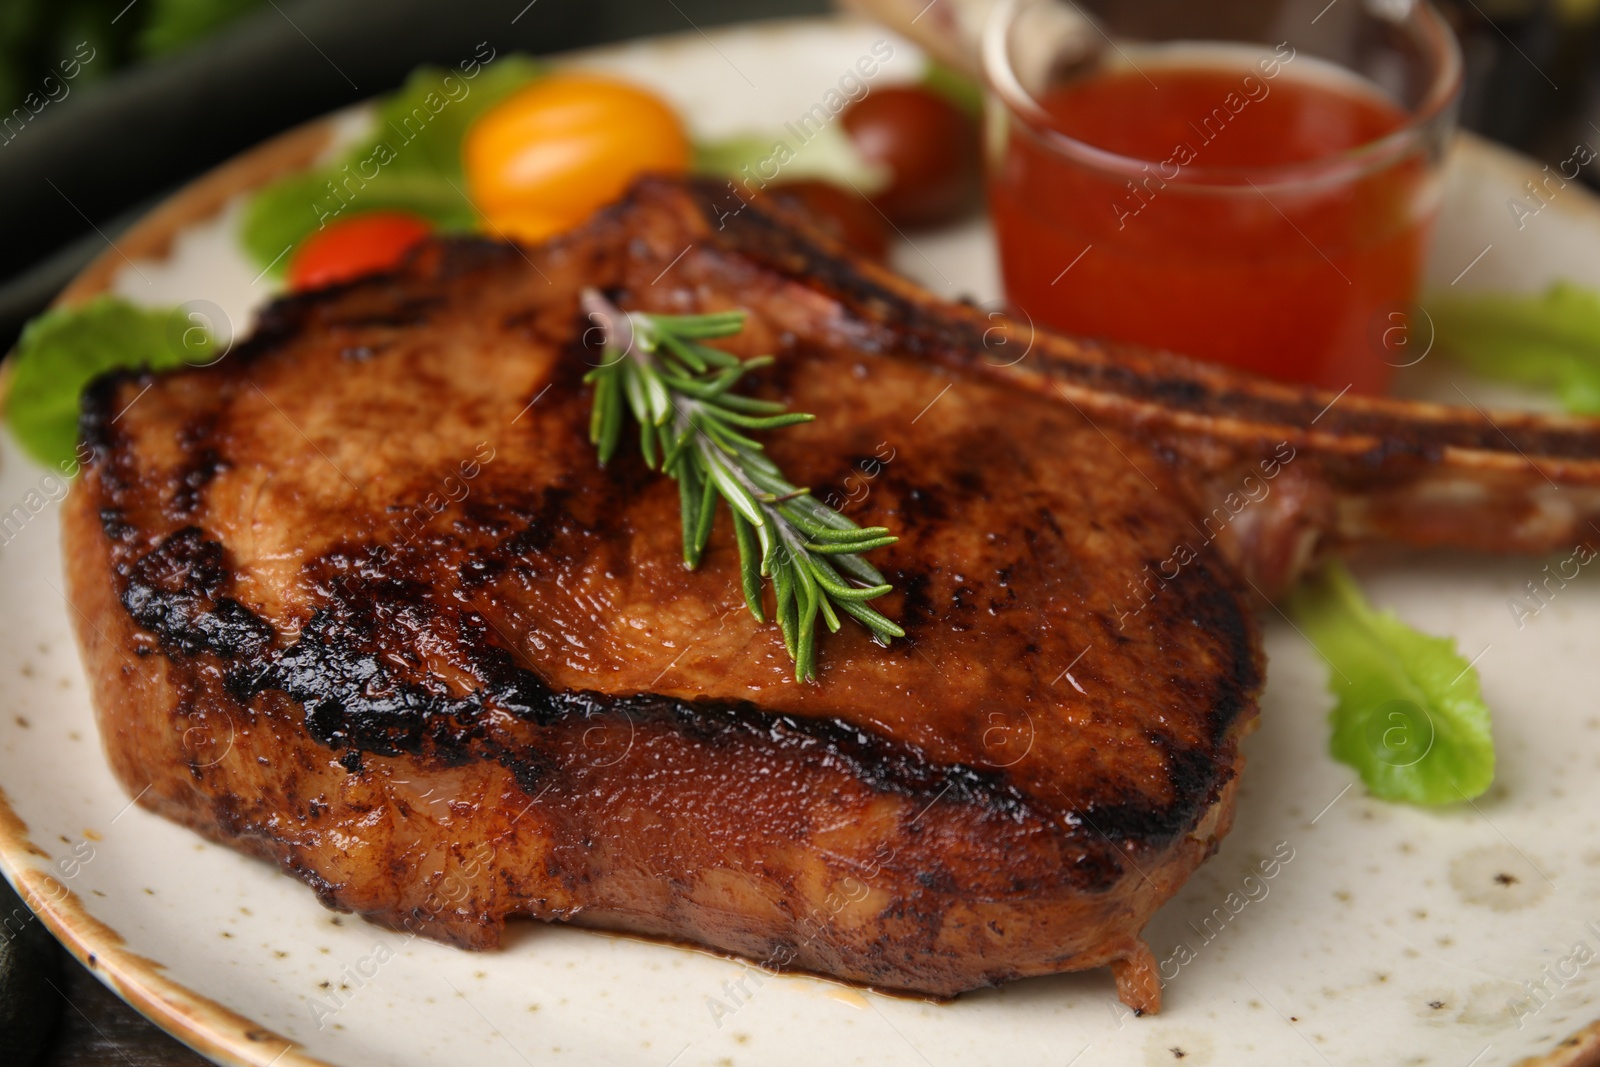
(165,89)
(108,106)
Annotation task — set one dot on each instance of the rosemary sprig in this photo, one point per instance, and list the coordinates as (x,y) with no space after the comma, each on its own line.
(696,429)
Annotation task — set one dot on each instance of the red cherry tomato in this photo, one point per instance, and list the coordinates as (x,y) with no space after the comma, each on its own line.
(353,247)
(841,213)
(929,145)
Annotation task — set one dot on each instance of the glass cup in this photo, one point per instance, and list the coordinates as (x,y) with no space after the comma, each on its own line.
(1243,242)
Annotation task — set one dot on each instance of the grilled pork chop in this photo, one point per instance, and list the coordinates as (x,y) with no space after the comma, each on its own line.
(359,600)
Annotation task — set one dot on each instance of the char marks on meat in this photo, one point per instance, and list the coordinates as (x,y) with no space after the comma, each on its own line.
(359,600)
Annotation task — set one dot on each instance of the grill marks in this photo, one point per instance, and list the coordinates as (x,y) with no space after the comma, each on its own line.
(340,670)
(378,597)
(537,635)
(174,591)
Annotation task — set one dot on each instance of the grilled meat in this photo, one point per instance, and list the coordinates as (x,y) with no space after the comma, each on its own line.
(359,600)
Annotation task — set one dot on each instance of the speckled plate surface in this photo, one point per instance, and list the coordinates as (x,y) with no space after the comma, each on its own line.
(1329,930)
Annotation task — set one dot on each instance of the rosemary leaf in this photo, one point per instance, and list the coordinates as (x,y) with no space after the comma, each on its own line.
(880,626)
(749,566)
(633,386)
(694,327)
(829,579)
(851,548)
(715,356)
(685,352)
(817,512)
(730,439)
(806,657)
(734,493)
(675,454)
(689,510)
(788,618)
(647,443)
(858,569)
(679,392)
(767,422)
(708,512)
(751,404)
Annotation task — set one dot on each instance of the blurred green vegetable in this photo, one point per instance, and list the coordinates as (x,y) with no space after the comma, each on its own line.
(37,35)
(1410,716)
(410,161)
(828,156)
(954,86)
(1551,340)
(65,349)
(173,25)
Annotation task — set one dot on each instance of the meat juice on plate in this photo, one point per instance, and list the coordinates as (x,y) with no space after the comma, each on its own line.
(1253,209)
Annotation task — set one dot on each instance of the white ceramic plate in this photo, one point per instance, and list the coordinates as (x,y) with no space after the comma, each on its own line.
(1389,936)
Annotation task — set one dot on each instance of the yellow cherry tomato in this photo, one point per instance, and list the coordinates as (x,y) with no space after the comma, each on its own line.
(542,160)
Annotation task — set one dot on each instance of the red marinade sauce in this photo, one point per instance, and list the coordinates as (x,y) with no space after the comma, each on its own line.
(1299,280)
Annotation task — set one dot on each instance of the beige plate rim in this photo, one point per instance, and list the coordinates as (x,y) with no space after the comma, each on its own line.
(198,1021)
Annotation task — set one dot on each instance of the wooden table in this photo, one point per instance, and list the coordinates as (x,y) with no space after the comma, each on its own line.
(96,1029)
(54,1013)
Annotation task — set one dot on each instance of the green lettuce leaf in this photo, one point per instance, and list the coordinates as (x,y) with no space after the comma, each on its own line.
(828,156)
(1410,716)
(64,349)
(409,161)
(1551,340)
(954,86)
(826,153)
